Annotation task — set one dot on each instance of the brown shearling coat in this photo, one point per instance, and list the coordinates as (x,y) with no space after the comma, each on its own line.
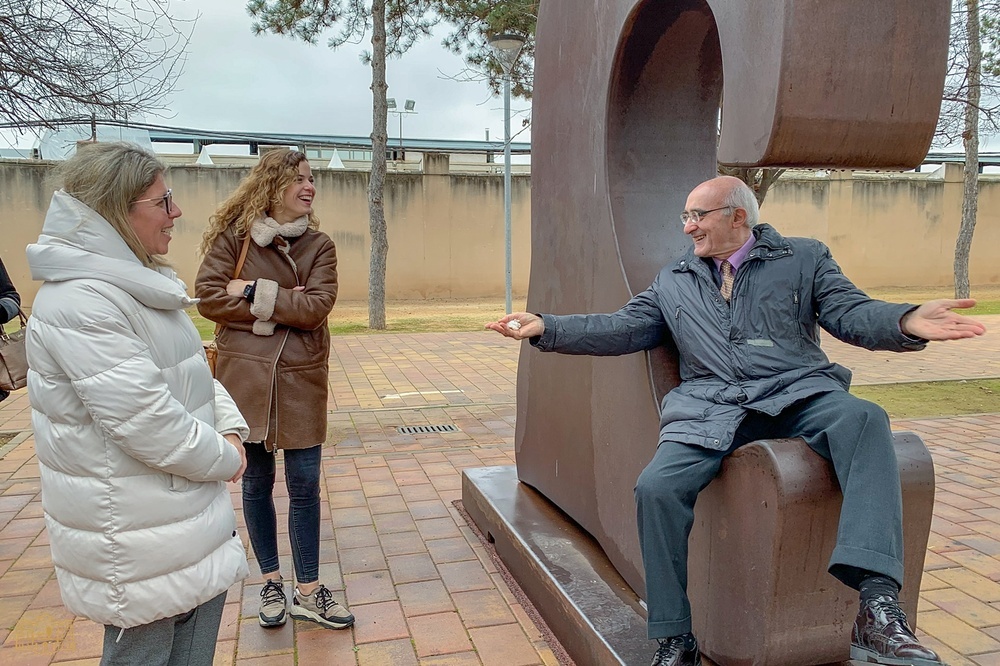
(279,381)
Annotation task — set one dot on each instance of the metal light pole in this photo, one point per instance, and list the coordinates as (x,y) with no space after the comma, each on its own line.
(407,108)
(507,47)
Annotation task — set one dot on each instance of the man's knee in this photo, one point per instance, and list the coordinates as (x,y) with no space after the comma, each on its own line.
(843,410)
(654,486)
(846,404)
(870,410)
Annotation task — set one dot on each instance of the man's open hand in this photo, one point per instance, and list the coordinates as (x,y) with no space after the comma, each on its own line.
(934,320)
(519,325)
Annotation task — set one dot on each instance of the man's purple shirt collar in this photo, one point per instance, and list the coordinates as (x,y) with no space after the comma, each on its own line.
(739,256)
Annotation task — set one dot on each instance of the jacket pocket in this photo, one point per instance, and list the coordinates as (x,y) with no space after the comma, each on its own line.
(774,320)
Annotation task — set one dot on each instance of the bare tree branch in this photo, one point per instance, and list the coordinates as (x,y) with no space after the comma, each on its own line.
(62,58)
(759,180)
(475,21)
(962,88)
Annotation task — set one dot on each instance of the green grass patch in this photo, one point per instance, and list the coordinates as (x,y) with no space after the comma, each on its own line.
(205,327)
(983,308)
(349,328)
(987,297)
(934,399)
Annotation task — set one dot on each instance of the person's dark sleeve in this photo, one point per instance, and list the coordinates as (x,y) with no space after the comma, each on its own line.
(638,326)
(851,316)
(10,300)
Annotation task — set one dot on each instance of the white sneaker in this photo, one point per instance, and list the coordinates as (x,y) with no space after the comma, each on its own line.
(272,604)
(319,607)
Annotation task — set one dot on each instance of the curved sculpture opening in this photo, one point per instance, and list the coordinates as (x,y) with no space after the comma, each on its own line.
(662,132)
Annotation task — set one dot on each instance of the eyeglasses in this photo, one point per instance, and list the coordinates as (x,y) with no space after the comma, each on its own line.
(695,215)
(167,200)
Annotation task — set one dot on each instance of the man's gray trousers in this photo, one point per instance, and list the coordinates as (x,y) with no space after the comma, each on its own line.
(852,433)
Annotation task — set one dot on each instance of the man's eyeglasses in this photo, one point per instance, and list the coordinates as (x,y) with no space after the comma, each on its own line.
(695,215)
(167,199)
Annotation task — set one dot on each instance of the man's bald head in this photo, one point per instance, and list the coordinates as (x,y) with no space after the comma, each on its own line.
(732,191)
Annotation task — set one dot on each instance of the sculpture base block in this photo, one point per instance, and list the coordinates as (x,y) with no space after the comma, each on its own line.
(589,607)
(584,600)
(764,532)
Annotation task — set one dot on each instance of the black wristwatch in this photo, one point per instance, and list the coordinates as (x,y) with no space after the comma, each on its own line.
(249,291)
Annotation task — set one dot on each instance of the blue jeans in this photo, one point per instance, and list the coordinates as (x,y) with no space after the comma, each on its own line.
(302,468)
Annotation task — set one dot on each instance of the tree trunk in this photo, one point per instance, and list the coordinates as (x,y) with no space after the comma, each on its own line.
(970,137)
(376,185)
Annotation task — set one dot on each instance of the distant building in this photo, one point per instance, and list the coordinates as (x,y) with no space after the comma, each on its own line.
(60,144)
(18,153)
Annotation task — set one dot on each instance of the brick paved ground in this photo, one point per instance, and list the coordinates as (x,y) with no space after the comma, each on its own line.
(422,587)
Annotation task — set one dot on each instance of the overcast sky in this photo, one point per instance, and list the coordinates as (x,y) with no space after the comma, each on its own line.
(234,80)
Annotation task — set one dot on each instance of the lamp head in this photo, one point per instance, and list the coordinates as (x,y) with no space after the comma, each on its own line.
(507,46)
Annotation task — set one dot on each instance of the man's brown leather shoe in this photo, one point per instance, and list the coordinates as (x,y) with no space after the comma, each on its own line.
(882,636)
(672,653)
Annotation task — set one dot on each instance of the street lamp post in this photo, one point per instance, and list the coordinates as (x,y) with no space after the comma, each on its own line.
(507,47)
(407,108)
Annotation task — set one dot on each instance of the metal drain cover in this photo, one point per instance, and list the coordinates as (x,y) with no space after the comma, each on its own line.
(424,429)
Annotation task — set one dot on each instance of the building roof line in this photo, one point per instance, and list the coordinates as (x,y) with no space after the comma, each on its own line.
(168,134)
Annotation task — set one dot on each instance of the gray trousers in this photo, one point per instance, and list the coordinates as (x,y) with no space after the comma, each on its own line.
(852,433)
(187,639)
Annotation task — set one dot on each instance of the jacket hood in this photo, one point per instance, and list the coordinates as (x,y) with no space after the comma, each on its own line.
(77,243)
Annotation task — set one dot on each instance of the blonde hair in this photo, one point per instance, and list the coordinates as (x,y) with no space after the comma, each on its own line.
(256,195)
(108,178)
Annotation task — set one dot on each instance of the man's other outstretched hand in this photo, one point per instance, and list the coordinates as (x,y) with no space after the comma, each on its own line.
(934,320)
(519,325)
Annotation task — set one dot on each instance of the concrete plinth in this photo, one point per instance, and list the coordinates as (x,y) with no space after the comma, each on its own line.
(584,600)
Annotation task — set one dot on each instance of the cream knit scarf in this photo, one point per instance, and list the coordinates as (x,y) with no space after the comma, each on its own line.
(264,230)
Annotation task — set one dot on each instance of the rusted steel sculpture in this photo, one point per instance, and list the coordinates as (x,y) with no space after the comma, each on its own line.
(625,123)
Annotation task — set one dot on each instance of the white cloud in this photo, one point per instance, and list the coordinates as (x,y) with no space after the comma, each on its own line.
(237,81)
(234,80)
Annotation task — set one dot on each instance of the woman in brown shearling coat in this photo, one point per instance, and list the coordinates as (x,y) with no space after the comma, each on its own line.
(273,358)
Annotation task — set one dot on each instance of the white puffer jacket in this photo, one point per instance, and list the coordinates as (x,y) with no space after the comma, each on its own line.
(128,429)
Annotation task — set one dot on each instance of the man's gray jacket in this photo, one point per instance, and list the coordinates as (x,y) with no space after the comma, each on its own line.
(761,351)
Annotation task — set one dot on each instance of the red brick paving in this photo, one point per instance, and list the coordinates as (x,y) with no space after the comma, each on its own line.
(417,579)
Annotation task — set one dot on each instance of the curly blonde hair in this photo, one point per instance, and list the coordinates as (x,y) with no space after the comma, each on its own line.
(256,196)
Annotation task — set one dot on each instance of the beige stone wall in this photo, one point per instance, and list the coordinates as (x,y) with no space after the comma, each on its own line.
(446,235)
(891,230)
(446,231)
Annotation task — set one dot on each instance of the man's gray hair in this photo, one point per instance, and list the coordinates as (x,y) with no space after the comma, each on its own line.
(743,197)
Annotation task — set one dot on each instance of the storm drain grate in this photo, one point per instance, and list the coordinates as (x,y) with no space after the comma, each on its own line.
(423,430)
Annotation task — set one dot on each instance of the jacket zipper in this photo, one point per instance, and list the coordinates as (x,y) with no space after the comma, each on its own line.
(273,392)
(272,395)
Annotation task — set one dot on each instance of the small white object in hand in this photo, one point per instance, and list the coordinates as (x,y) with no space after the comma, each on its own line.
(514,325)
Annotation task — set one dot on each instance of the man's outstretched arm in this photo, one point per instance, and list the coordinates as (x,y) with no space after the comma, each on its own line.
(637,326)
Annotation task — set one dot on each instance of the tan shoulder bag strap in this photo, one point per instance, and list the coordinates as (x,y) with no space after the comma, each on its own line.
(243,256)
(239,267)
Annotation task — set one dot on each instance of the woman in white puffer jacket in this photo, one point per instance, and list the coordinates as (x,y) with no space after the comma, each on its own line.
(134,438)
